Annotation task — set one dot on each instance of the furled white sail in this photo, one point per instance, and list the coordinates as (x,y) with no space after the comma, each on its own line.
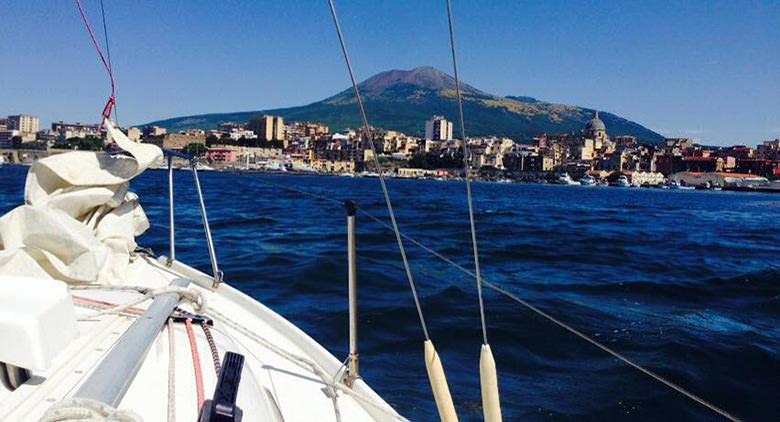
(79,221)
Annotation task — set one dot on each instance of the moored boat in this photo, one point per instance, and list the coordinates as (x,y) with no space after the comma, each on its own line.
(588,180)
(622,182)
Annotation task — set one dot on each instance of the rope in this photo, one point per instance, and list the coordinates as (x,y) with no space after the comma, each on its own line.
(467,169)
(87,410)
(111,98)
(212,346)
(102,305)
(617,355)
(108,51)
(195,364)
(369,135)
(185,294)
(171,372)
(532,308)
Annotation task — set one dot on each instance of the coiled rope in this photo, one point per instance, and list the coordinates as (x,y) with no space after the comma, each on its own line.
(87,410)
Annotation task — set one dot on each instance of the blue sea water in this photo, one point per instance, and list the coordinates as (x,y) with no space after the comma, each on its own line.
(685,283)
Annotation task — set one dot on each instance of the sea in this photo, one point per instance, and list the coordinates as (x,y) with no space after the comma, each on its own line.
(684,283)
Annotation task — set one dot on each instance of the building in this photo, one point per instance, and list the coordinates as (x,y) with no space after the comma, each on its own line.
(65,131)
(179,141)
(134,134)
(24,123)
(7,137)
(221,155)
(718,179)
(596,129)
(438,129)
(769,150)
(646,178)
(298,130)
(154,131)
(267,128)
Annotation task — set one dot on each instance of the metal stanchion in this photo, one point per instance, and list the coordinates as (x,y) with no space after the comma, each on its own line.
(353,367)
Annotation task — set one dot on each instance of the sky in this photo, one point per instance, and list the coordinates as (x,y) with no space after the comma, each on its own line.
(708,70)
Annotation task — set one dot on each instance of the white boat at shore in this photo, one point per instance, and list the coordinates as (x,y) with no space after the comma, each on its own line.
(588,180)
(565,179)
(674,185)
(92,324)
(623,182)
(200,166)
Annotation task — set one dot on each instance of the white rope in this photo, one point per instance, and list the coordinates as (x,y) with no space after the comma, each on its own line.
(185,294)
(171,372)
(87,410)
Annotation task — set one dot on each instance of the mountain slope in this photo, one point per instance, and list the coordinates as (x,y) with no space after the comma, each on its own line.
(404,99)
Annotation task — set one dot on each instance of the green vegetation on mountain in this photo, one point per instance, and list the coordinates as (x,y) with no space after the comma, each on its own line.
(403,100)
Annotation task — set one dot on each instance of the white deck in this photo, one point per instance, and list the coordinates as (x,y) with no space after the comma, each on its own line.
(275,385)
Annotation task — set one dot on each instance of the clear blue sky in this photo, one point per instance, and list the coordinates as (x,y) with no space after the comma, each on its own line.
(708,70)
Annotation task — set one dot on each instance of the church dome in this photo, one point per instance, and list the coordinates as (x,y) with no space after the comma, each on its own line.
(595,124)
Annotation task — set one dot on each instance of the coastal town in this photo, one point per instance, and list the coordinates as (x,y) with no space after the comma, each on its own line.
(589,157)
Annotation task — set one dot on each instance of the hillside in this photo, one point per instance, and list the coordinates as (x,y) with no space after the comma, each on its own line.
(404,99)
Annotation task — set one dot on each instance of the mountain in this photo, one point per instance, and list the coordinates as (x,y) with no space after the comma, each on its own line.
(404,99)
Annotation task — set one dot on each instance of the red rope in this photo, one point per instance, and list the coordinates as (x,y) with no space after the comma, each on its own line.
(111,99)
(105,305)
(195,363)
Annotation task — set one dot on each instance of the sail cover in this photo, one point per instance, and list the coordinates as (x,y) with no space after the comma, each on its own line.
(79,221)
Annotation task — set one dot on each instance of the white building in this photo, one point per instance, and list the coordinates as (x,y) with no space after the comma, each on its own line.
(237,134)
(640,178)
(24,123)
(721,179)
(438,129)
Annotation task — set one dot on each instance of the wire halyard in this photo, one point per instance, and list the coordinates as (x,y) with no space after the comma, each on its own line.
(467,169)
(491,403)
(108,53)
(367,133)
(112,98)
(433,365)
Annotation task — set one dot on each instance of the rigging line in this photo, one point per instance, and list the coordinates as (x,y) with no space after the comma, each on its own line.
(567,327)
(110,103)
(367,133)
(617,355)
(529,306)
(108,51)
(467,169)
